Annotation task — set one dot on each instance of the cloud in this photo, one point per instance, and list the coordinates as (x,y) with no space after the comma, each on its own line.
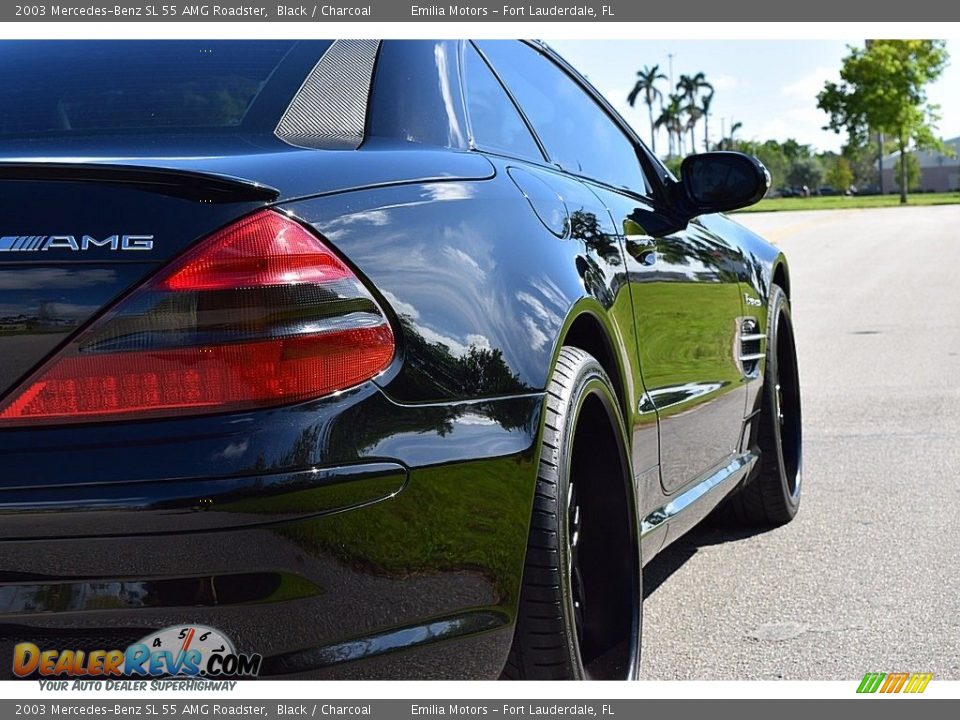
(803,123)
(795,113)
(726,82)
(400,307)
(807,87)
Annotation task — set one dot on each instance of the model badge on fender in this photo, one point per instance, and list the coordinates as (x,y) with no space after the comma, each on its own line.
(75,243)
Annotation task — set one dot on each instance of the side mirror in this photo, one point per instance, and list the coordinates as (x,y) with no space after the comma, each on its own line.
(720,181)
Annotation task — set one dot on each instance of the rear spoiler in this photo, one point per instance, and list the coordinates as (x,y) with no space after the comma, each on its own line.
(188,184)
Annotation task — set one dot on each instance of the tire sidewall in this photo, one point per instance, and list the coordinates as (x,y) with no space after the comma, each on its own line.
(591,381)
(780,317)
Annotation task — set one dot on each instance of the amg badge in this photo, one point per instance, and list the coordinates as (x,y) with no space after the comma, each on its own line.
(75,243)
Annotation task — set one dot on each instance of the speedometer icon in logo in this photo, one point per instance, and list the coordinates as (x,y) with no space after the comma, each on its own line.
(184,638)
(192,650)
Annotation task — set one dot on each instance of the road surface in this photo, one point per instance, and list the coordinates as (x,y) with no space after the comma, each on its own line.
(867,578)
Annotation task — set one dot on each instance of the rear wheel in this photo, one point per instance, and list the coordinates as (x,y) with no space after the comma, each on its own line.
(579,610)
(772,497)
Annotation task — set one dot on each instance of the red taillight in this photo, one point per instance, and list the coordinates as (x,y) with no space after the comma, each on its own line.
(260,313)
(263,250)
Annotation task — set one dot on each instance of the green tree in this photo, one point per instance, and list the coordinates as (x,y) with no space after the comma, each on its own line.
(863,163)
(883,88)
(839,173)
(793,150)
(805,171)
(673,164)
(771,154)
(773,157)
(728,143)
(647,84)
(910,173)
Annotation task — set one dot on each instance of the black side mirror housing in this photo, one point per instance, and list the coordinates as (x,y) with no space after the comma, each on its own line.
(710,182)
(721,181)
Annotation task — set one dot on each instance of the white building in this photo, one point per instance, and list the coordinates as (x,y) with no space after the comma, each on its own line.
(938,171)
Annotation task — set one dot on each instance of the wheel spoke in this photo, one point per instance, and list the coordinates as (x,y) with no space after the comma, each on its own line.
(574,537)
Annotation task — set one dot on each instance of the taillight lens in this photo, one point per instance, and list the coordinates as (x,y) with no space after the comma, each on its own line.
(260,313)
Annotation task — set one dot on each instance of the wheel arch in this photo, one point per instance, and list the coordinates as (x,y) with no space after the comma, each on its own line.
(588,328)
(781,275)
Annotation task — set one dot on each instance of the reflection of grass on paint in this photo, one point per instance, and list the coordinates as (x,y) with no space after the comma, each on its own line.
(471,517)
(686,336)
(293,587)
(841,202)
(688,328)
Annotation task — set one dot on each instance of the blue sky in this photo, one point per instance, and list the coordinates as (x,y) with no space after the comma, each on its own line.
(769,86)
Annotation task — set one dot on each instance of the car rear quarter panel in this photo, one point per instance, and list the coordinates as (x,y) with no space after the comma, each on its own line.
(479,287)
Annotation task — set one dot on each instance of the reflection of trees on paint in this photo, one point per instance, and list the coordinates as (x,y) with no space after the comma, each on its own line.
(480,372)
(585,226)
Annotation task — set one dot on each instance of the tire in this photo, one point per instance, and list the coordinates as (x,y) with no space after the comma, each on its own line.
(579,607)
(772,496)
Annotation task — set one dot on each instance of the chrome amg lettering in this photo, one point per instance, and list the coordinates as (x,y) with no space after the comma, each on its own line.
(38,243)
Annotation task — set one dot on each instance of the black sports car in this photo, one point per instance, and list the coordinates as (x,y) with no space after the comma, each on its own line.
(383,359)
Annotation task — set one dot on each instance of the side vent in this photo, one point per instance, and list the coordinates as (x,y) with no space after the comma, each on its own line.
(752,347)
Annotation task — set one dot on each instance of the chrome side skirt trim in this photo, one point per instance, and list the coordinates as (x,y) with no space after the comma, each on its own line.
(725,476)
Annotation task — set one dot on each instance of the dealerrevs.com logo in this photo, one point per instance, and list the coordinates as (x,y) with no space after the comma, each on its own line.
(180,650)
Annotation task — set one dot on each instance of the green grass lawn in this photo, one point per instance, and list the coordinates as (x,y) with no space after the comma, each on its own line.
(838,202)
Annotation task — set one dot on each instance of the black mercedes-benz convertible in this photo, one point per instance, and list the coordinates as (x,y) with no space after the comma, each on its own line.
(382,359)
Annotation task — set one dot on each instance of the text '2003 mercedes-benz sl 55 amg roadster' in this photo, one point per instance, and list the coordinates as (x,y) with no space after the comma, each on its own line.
(384,359)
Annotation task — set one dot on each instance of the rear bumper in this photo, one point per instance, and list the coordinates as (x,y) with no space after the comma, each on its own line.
(273,589)
(404,564)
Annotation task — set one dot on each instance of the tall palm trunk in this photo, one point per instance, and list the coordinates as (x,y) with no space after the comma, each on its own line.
(653,129)
(706,132)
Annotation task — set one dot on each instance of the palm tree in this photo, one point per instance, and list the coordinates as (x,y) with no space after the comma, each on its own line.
(671,118)
(705,109)
(694,113)
(647,84)
(689,87)
(664,121)
(733,128)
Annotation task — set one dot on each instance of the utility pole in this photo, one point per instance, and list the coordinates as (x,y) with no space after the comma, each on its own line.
(670,132)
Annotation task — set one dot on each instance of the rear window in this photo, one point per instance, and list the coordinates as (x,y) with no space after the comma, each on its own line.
(54,87)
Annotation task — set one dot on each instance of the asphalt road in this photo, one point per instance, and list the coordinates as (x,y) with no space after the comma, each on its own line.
(867,577)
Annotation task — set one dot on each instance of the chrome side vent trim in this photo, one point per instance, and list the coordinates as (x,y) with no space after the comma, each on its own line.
(329,111)
(751,347)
